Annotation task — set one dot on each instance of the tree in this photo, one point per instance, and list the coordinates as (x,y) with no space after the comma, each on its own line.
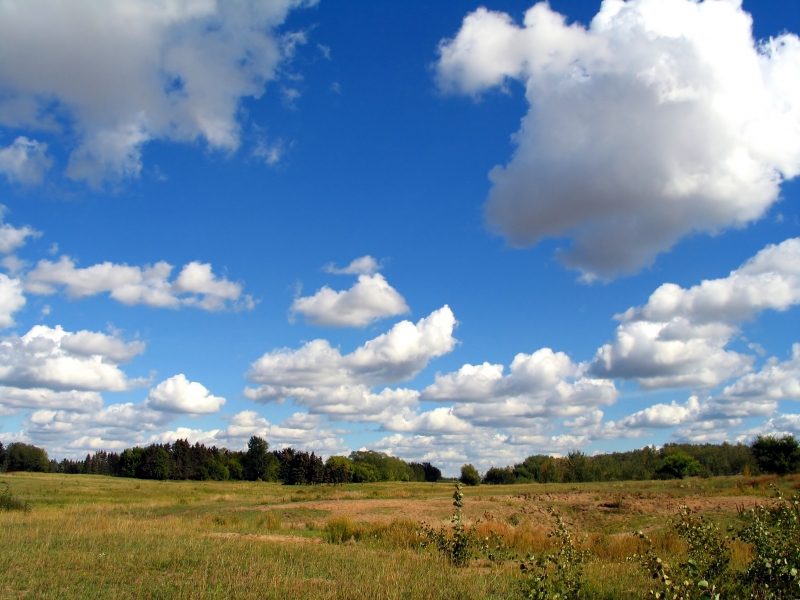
(776,455)
(23,457)
(498,476)
(256,459)
(2,457)
(338,470)
(470,475)
(679,465)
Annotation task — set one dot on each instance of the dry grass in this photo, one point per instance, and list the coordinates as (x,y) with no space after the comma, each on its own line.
(91,536)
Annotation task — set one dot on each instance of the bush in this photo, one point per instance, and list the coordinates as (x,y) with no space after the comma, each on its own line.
(470,475)
(9,502)
(22,457)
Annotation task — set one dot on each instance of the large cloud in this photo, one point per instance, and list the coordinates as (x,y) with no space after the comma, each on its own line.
(542,385)
(196,284)
(662,118)
(123,72)
(370,299)
(58,360)
(679,337)
(394,356)
(319,377)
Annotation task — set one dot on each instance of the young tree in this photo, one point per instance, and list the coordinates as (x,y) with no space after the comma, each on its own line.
(776,455)
(470,475)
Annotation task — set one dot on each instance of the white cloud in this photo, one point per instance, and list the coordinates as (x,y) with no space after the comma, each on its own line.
(247,423)
(196,284)
(124,72)
(178,394)
(25,161)
(679,337)
(366,265)
(11,299)
(662,118)
(394,356)
(59,360)
(370,299)
(36,398)
(544,384)
(12,237)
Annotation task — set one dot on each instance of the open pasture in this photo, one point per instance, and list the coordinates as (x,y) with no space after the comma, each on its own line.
(101,537)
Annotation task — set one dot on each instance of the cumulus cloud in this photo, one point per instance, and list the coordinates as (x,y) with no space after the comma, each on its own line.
(178,394)
(122,73)
(248,423)
(25,161)
(320,377)
(196,284)
(544,384)
(660,119)
(370,299)
(394,356)
(679,337)
(60,361)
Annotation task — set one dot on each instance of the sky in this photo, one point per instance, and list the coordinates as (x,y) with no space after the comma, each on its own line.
(452,232)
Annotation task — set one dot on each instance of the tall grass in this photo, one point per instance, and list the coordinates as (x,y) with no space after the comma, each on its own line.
(93,536)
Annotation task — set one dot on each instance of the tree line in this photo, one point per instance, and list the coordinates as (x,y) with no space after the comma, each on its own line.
(767,454)
(182,460)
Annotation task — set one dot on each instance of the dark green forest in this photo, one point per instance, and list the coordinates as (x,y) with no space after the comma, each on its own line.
(184,461)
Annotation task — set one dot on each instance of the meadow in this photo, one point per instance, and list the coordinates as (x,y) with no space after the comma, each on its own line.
(91,536)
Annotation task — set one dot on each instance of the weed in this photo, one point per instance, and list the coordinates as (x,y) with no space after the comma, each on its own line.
(459,545)
(558,574)
(774,533)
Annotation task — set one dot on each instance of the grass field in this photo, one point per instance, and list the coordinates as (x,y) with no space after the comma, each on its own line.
(101,537)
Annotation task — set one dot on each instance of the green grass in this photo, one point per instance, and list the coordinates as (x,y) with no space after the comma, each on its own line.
(101,537)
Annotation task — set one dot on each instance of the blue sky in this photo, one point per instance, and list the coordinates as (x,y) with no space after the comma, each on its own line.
(403,226)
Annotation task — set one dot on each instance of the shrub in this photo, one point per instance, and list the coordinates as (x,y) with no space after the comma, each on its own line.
(774,533)
(459,545)
(559,573)
(9,502)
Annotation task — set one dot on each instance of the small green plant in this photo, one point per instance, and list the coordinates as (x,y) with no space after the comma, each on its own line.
(774,533)
(705,573)
(459,545)
(9,502)
(558,574)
